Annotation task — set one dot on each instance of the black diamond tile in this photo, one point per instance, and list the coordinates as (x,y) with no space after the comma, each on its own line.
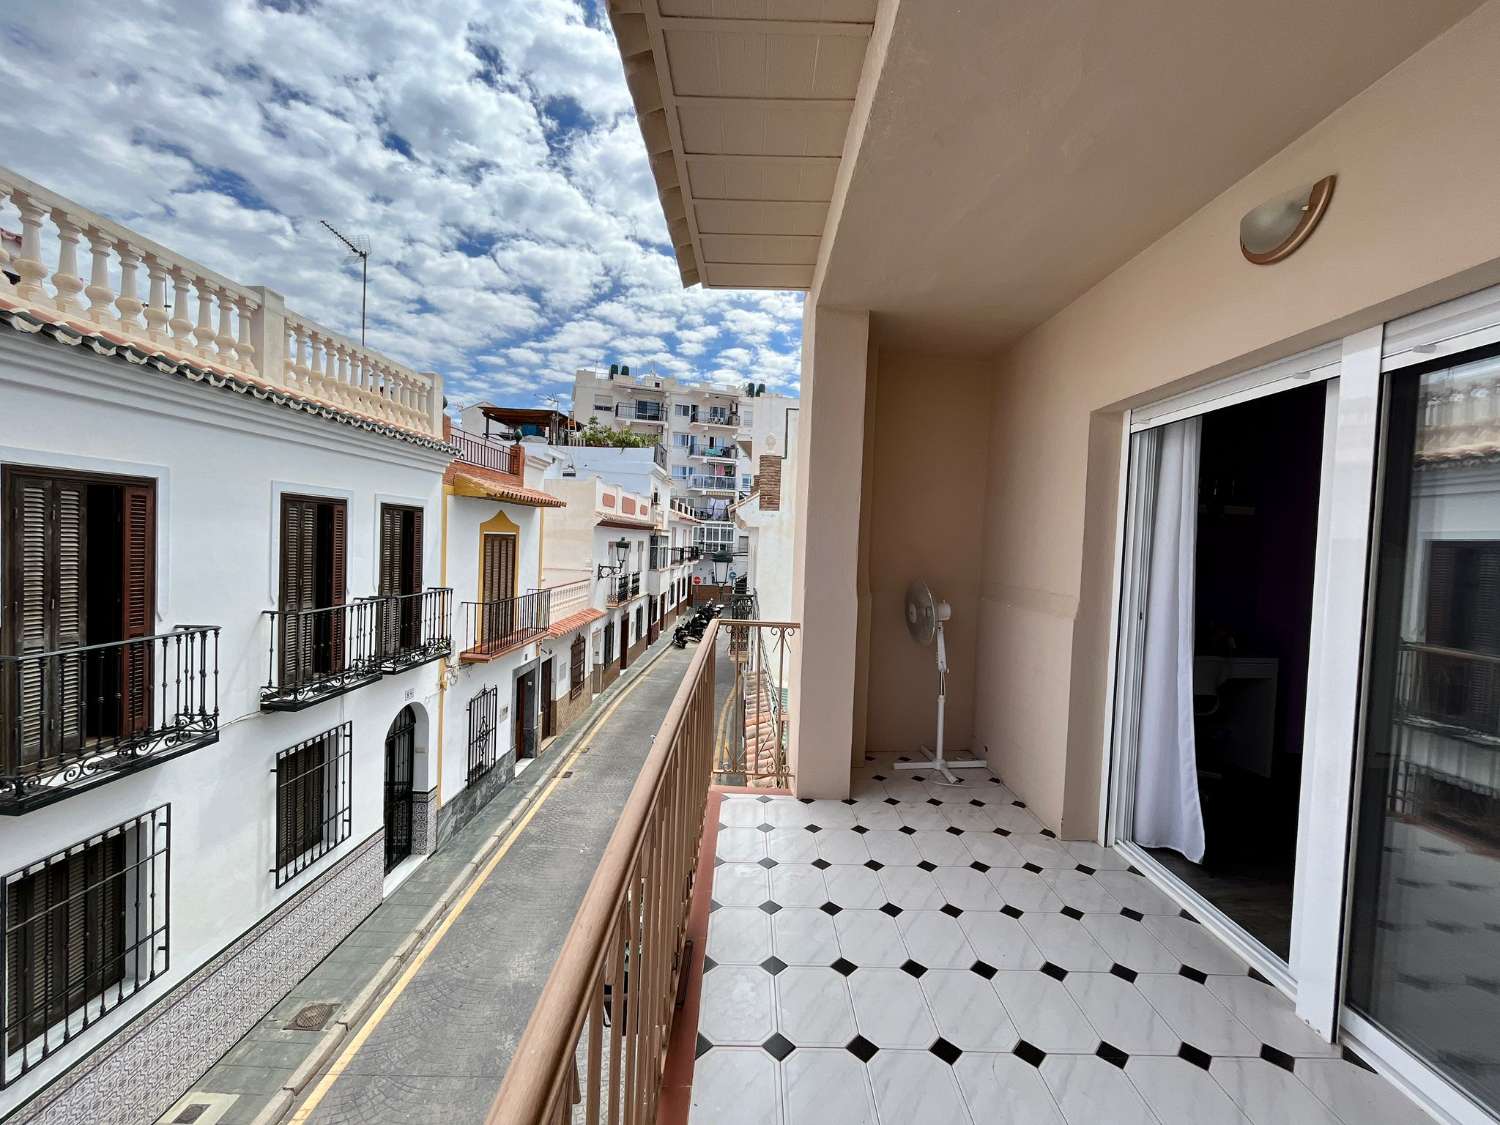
(1276,1058)
(1033,868)
(773,965)
(767,863)
(779,1046)
(987,971)
(1073,913)
(891,908)
(830,908)
(946,1051)
(1185,914)
(1056,972)
(1047,832)
(1085,868)
(1019,804)
(709,964)
(980,866)
(914,969)
(843,967)
(850,801)
(1002,832)
(892,801)
(805,800)
(933,801)
(1027,1053)
(917,776)
(1123,972)
(1194,1055)
(1192,974)
(925,866)
(821,864)
(955,831)
(1257,976)
(1133,915)
(1012,911)
(860,829)
(765,827)
(1351,1057)
(1132,870)
(812,827)
(1112,1055)
(713,905)
(764,800)
(718,861)
(879,777)
(770,907)
(903,758)
(861,1048)
(976,802)
(874,864)
(907,830)
(704,1046)
(949,909)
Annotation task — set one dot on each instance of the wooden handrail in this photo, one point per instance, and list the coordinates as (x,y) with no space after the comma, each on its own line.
(619,964)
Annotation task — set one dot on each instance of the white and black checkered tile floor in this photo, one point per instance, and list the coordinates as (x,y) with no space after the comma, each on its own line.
(929,953)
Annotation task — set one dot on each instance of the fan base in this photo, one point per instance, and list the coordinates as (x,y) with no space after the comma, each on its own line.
(942,765)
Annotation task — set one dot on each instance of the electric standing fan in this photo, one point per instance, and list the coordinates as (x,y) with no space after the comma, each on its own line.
(924,620)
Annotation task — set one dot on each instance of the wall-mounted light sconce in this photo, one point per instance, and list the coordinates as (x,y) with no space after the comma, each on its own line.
(620,550)
(1276,228)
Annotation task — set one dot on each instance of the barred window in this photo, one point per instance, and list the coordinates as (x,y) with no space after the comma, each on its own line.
(578,665)
(483,711)
(84,929)
(313,805)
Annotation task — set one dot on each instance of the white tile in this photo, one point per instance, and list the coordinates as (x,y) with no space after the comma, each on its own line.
(943,848)
(813,1008)
(1358,1096)
(1017,820)
(911,888)
(1090,1091)
(1023,889)
(803,935)
(786,812)
(1180,1093)
(928,817)
(735,1086)
(1081,892)
(869,937)
(1269,1016)
(1121,1015)
(796,884)
(907,789)
(739,935)
(1004,1090)
(1196,1015)
(741,884)
(741,845)
(1194,945)
(967,889)
(999,941)
(1130,944)
(741,812)
(792,845)
(1269,1095)
(1065,942)
(890,1009)
(892,848)
(1136,892)
(830,814)
(877,815)
(967,1011)
(934,939)
(1043,1012)
(994,850)
(915,1086)
(854,888)
(969,817)
(842,845)
(825,1087)
(736,1006)
(1099,858)
(1044,851)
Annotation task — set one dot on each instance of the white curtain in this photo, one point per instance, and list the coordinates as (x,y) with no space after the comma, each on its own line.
(1167,810)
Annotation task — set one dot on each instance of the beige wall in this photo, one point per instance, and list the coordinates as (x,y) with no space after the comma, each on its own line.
(928,472)
(1414,220)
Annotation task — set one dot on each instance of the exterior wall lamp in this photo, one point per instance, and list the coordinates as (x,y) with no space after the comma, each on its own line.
(721,561)
(619,550)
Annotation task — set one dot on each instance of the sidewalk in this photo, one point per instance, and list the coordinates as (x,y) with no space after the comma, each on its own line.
(440,1046)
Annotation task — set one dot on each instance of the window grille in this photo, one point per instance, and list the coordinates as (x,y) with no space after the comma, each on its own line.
(313,806)
(578,666)
(483,715)
(84,929)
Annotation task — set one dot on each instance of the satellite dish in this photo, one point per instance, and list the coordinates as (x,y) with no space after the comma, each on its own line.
(925,616)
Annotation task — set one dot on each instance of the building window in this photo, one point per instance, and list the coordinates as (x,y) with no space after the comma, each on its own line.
(400,576)
(314,554)
(605,405)
(84,929)
(312,800)
(483,715)
(682,440)
(577,666)
(682,410)
(747,416)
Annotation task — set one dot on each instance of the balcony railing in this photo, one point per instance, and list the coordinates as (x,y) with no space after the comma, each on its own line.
(237,329)
(490,454)
(316,654)
(415,628)
(717,417)
(570,598)
(648,412)
(597,1038)
(1450,688)
(754,749)
(76,717)
(496,627)
(723,483)
(635,584)
(711,450)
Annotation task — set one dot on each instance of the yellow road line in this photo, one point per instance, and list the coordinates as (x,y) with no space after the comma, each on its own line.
(346,1056)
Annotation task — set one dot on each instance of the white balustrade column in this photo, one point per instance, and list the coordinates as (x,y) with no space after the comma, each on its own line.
(66,280)
(156,299)
(224,337)
(244,347)
(29,265)
(331,387)
(203,334)
(5,284)
(297,361)
(100,293)
(127,302)
(182,324)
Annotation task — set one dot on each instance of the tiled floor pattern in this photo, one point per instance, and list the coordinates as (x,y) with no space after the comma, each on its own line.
(929,953)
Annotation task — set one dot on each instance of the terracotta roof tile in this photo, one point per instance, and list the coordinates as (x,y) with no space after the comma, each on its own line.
(574,621)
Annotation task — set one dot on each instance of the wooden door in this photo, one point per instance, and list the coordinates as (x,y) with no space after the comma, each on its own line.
(314,559)
(548,701)
(400,576)
(400,763)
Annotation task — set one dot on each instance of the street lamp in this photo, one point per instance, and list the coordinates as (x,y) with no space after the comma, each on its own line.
(620,549)
(721,562)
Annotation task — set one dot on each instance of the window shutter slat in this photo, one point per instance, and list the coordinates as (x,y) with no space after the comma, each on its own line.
(137,600)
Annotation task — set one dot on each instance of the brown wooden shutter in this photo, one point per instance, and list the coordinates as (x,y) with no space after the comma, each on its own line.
(27,943)
(390,551)
(338,562)
(1441,576)
(137,604)
(415,576)
(298,551)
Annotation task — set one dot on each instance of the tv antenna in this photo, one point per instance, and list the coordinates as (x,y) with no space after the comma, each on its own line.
(359,247)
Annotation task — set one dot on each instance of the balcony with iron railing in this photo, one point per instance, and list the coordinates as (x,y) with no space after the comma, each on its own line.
(494,628)
(712,483)
(414,628)
(74,718)
(716,416)
(714,451)
(487,453)
(643,411)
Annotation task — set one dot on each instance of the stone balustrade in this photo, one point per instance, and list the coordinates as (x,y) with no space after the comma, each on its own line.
(1460,414)
(99,277)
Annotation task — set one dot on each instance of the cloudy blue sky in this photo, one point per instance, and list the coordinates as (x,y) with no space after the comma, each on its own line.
(486,148)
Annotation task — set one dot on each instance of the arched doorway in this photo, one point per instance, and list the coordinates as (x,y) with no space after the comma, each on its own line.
(400,763)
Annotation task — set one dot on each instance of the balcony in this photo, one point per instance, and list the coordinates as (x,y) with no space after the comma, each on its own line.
(646,412)
(140,292)
(725,483)
(488,454)
(317,654)
(714,451)
(414,629)
(716,416)
(495,628)
(78,717)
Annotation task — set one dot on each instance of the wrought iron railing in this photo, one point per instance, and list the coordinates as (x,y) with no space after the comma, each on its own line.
(713,483)
(491,628)
(488,454)
(596,1043)
(618,592)
(753,750)
(315,654)
(74,717)
(1453,688)
(713,449)
(414,628)
(635,584)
